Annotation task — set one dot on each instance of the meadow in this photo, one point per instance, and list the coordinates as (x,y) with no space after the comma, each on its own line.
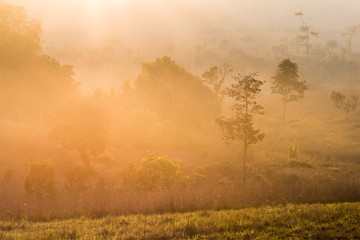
(291,221)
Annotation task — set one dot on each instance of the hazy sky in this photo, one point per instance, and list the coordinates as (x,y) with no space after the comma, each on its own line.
(96,20)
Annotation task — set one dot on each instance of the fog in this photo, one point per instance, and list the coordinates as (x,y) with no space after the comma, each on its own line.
(151,26)
(139,106)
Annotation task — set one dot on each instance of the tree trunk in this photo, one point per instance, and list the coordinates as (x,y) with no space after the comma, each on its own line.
(349,48)
(347,115)
(173,103)
(244,161)
(307,51)
(284,112)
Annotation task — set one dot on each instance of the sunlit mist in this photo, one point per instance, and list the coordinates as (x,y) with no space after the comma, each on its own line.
(179,119)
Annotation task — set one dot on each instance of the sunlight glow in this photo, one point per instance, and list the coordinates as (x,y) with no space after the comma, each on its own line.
(117,2)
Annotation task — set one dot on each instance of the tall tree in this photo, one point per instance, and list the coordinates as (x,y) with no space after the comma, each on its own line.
(31,82)
(240,126)
(346,104)
(348,34)
(286,83)
(305,35)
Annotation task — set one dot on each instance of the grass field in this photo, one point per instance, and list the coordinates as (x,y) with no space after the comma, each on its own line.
(316,221)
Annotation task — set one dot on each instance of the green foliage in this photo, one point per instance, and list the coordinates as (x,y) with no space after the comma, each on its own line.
(153,173)
(286,82)
(20,35)
(292,221)
(294,150)
(244,92)
(40,180)
(190,229)
(31,82)
(346,104)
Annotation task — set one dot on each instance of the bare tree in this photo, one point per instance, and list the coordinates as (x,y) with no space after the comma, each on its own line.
(305,35)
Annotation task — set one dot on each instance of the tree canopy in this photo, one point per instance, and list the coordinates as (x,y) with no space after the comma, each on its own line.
(347,104)
(31,81)
(174,93)
(153,173)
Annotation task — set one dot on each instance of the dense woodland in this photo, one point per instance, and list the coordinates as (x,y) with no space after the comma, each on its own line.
(175,137)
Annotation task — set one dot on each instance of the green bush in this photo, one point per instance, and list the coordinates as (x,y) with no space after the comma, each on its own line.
(153,173)
(40,180)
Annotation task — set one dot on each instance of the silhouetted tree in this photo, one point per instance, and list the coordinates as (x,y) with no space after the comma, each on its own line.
(346,104)
(286,83)
(306,34)
(239,126)
(215,78)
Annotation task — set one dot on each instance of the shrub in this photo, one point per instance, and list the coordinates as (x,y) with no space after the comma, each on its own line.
(40,180)
(153,173)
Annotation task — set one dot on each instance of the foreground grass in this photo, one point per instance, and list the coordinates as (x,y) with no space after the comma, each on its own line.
(316,221)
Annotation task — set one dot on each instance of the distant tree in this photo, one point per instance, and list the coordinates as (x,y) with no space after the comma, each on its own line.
(348,34)
(215,78)
(40,180)
(31,81)
(175,94)
(239,126)
(305,35)
(286,83)
(81,126)
(346,104)
(153,173)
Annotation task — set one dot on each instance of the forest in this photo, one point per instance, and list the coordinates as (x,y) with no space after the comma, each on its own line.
(219,123)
